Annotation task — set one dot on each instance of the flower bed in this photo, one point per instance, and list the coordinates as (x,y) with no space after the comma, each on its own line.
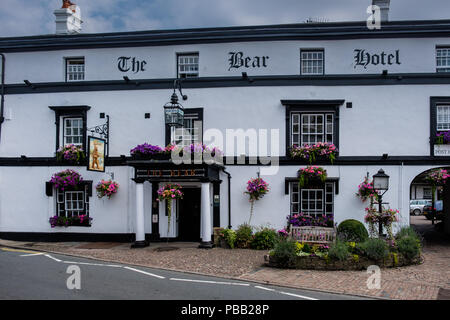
(319,151)
(404,249)
(352,263)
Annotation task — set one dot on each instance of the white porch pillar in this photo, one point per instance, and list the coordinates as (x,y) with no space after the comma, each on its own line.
(140,227)
(206,216)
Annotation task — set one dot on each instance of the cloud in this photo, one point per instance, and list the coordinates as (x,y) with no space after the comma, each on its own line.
(25,17)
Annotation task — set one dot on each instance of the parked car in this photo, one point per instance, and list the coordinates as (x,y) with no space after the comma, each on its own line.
(428,213)
(416,206)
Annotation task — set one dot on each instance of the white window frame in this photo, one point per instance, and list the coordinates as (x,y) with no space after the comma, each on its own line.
(190,133)
(188,65)
(71,135)
(443,59)
(297,128)
(63,198)
(75,69)
(312,62)
(327,201)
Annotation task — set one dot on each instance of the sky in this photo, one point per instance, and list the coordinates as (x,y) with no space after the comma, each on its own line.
(35,17)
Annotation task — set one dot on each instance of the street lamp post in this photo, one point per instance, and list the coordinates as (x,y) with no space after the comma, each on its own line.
(174,111)
(380,184)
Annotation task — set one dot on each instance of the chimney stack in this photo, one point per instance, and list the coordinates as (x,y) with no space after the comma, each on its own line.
(68,18)
(384,8)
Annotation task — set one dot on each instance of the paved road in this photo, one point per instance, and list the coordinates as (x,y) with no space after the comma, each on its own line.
(37,275)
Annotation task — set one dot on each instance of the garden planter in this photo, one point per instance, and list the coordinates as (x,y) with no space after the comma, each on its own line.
(352,263)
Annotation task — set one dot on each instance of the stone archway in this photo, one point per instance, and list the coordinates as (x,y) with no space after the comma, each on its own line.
(423,218)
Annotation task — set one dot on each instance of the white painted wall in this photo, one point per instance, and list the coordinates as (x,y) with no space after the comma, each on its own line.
(416,55)
(384,119)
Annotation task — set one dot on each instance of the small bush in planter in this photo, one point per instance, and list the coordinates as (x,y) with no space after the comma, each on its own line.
(409,247)
(264,239)
(339,251)
(244,236)
(374,248)
(352,231)
(229,236)
(285,253)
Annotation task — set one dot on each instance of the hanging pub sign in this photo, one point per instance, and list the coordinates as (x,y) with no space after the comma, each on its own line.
(96,154)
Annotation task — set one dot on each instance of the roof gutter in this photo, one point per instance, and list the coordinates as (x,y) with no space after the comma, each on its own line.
(2,103)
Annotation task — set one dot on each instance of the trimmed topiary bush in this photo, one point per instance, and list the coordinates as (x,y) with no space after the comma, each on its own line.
(374,248)
(244,236)
(409,247)
(352,231)
(264,239)
(284,253)
(339,251)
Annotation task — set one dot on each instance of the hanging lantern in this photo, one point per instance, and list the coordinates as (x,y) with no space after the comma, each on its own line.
(174,112)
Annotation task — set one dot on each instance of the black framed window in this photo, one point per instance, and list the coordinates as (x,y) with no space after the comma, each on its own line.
(192,130)
(439,126)
(71,125)
(315,200)
(312,121)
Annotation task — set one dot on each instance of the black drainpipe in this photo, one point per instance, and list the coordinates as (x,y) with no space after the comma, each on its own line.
(2,105)
(229,197)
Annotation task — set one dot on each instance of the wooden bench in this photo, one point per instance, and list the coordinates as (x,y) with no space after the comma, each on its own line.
(313,234)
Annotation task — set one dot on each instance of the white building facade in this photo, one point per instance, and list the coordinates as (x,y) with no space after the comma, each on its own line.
(380,96)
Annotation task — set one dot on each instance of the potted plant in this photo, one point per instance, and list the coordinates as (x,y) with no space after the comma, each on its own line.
(311,153)
(366,190)
(74,221)
(145,151)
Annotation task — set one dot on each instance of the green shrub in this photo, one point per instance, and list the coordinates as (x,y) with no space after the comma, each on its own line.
(407,232)
(352,231)
(264,239)
(374,248)
(229,236)
(285,253)
(306,248)
(244,236)
(409,247)
(338,251)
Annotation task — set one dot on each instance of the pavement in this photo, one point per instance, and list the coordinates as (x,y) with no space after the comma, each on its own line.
(427,281)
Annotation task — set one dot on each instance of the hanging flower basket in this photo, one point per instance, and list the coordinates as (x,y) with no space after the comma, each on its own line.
(437,177)
(386,218)
(70,153)
(366,190)
(256,189)
(66,180)
(320,151)
(311,175)
(169,192)
(106,188)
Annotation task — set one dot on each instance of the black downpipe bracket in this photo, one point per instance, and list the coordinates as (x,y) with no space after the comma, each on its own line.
(2,104)
(229,197)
